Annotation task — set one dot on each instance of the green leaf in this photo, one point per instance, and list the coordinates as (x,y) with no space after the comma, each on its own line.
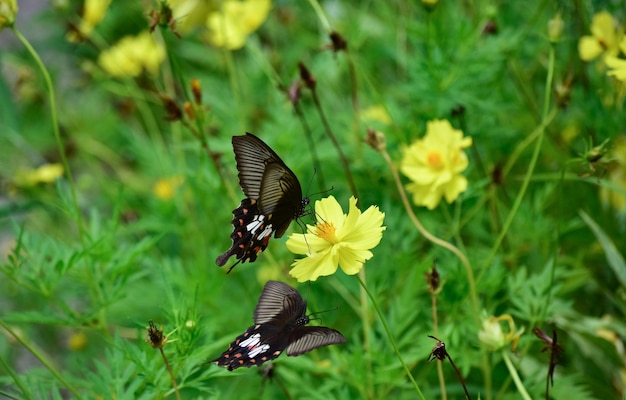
(613,257)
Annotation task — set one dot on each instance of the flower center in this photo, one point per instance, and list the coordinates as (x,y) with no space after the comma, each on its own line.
(434,159)
(326,231)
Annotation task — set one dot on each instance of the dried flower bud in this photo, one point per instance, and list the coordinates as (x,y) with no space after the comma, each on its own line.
(339,43)
(306,76)
(376,139)
(155,338)
(196,89)
(174,113)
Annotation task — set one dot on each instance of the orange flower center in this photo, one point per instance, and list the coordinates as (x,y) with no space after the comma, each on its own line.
(434,159)
(326,231)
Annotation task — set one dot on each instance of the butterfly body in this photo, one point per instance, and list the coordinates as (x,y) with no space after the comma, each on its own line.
(280,325)
(274,199)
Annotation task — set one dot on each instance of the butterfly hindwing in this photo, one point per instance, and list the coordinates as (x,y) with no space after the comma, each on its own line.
(255,346)
(251,234)
(307,338)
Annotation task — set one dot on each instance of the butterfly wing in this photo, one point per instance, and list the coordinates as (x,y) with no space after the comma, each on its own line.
(280,197)
(257,345)
(279,303)
(252,156)
(251,234)
(306,338)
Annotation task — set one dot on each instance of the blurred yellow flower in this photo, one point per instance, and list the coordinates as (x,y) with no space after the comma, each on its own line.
(617,176)
(336,240)
(190,14)
(8,11)
(494,337)
(93,13)
(77,341)
(132,55)
(617,65)
(47,173)
(165,188)
(434,164)
(230,26)
(376,113)
(604,38)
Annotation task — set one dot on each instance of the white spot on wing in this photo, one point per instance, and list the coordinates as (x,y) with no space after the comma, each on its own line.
(252,341)
(259,350)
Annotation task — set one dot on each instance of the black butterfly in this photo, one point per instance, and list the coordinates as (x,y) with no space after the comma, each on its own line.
(274,199)
(279,324)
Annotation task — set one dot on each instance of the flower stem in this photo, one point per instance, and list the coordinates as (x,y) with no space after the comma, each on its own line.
(515,376)
(15,378)
(432,238)
(331,135)
(55,126)
(40,357)
(169,370)
(539,133)
(391,339)
(442,380)
(365,323)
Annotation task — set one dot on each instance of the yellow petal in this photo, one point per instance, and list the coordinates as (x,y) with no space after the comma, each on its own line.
(589,48)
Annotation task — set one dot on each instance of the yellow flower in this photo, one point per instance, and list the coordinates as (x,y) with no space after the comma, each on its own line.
(132,55)
(604,38)
(493,336)
(47,173)
(377,114)
(8,11)
(77,341)
(617,65)
(165,188)
(190,14)
(93,13)
(434,164)
(230,26)
(617,176)
(336,240)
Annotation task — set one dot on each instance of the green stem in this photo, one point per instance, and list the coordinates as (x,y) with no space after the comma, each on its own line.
(55,125)
(539,133)
(515,376)
(365,324)
(391,339)
(40,357)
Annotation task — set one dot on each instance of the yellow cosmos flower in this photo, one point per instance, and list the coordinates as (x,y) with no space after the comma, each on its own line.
(617,176)
(494,337)
(93,13)
(617,65)
(165,188)
(604,38)
(47,173)
(132,55)
(190,14)
(434,164)
(336,240)
(231,26)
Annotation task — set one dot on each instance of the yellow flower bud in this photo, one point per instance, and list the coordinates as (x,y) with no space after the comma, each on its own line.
(8,11)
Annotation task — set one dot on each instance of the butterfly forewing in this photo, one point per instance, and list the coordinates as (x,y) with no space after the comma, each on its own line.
(307,338)
(280,196)
(279,303)
(252,156)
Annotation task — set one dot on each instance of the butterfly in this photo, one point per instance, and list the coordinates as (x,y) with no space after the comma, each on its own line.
(274,199)
(279,324)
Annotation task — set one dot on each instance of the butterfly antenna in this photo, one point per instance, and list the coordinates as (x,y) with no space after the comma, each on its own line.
(321,312)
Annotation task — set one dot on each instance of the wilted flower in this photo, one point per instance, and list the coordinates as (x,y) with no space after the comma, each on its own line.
(617,176)
(230,26)
(93,13)
(336,240)
(435,163)
(494,337)
(8,11)
(604,38)
(132,55)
